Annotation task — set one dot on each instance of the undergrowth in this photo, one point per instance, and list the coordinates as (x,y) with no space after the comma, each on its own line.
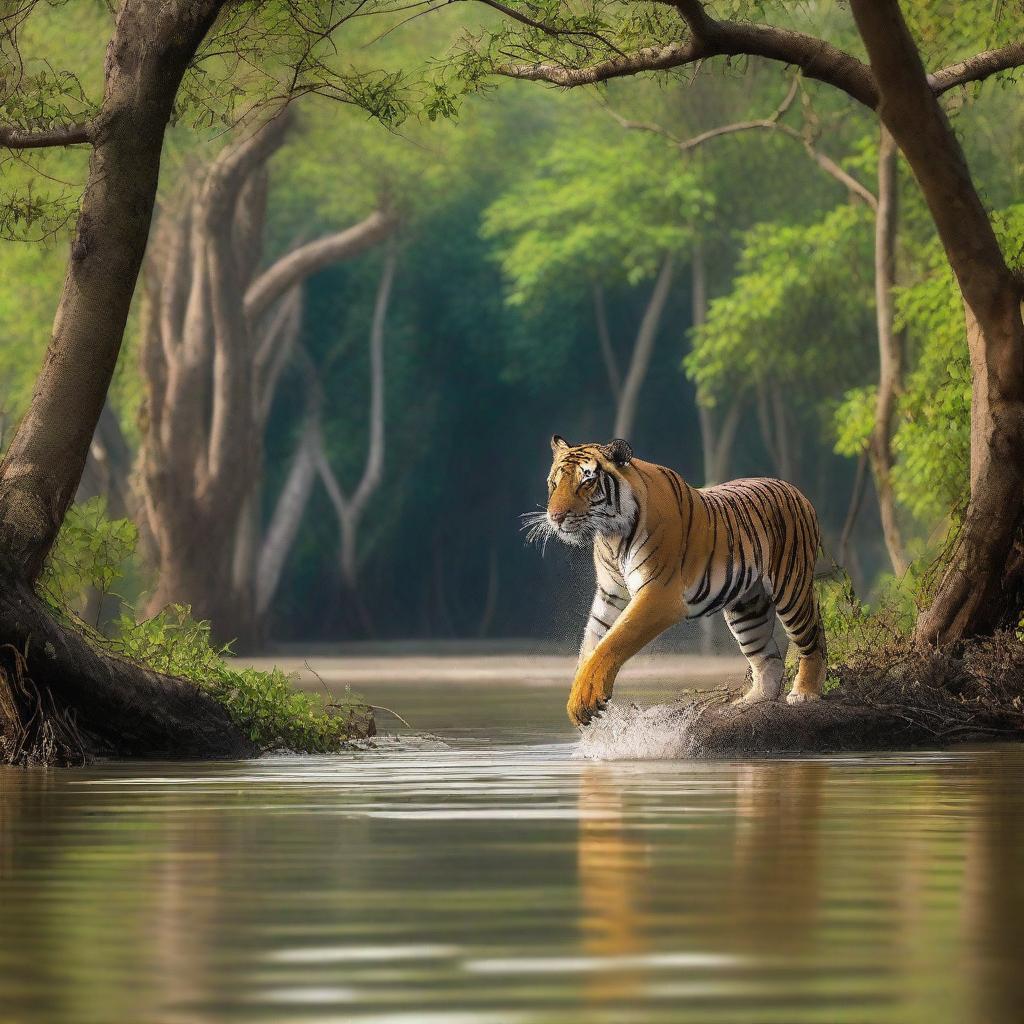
(94,553)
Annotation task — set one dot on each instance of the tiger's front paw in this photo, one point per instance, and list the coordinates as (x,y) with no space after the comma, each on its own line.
(799,697)
(585,704)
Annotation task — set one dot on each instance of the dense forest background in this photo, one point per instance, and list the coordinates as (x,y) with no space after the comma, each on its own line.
(581,263)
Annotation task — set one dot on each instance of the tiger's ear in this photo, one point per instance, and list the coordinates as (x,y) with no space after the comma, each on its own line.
(618,451)
(559,444)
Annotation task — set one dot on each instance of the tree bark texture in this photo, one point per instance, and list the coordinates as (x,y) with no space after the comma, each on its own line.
(147,56)
(54,682)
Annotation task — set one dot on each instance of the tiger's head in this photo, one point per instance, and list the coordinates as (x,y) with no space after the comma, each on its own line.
(588,493)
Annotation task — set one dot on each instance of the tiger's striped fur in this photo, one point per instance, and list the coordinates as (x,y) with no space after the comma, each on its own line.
(665,551)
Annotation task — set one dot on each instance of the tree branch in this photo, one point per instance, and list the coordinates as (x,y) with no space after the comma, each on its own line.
(770,123)
(710,38)
(375,457)
(63,135)
(650,58)
(293,499)
(313,256)
(976,68)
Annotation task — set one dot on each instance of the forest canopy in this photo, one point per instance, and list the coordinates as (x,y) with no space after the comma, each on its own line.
(691,253)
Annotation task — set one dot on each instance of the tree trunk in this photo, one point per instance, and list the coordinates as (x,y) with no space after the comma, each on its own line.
(981,588)
(40,472)
(890,348)
(287,517)
(350,510)
(852,511)
(218,337)
(58,683)
(604,339)
(643,348)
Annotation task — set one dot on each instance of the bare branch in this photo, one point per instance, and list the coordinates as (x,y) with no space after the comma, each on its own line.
(349,510)
(293,499)
(274,348)
(976,68)
(375,456)
(64,135)
(309,258)
(770,123)
(829,166)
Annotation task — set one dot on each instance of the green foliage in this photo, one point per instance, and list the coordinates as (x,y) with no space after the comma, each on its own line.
(932,440)
(266,705)
(598,205)
(854,420)
(798,312)
(92,552)
(853,628)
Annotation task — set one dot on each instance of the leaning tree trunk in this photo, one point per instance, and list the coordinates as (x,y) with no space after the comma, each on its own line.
(218,335)
(981,587)
(53,678)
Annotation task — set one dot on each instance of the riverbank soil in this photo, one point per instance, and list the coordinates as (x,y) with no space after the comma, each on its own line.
(896,698)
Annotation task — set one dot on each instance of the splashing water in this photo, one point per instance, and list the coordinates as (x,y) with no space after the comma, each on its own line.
(631,733)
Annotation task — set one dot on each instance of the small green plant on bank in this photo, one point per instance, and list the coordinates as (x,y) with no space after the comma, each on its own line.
(93,553)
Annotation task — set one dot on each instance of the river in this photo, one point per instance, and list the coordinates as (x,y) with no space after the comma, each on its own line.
(480,872)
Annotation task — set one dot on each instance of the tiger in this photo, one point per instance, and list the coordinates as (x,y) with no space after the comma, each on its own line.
(665,551)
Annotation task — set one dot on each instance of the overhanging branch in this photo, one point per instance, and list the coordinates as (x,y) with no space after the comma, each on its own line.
(977,68)
(65,135)
(817,58)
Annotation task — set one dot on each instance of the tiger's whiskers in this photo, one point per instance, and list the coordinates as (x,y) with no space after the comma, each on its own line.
(539,529)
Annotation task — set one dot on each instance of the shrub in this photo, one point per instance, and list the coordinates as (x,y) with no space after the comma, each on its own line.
(93,552)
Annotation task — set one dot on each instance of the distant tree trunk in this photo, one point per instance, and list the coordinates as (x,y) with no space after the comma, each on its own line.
(643,348)
(852,511)
(350,509)
(217,337)
(890,347)
(604,338)
(108,468)
(716,442)
(59,696)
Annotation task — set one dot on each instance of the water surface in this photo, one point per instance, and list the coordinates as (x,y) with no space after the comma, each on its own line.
(499,879)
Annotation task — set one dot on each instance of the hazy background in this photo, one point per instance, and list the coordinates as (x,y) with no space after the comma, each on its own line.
(515,219)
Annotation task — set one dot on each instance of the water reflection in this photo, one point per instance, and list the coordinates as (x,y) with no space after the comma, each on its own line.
(515,884)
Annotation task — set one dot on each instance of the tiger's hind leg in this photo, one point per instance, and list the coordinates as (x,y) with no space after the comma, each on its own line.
(751,620)
(801,618)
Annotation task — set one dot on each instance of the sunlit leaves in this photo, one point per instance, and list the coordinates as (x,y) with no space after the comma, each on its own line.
(601,204)
(798,311)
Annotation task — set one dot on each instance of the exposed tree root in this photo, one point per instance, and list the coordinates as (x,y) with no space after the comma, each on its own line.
(896,698)
(63,701)
(33,731)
